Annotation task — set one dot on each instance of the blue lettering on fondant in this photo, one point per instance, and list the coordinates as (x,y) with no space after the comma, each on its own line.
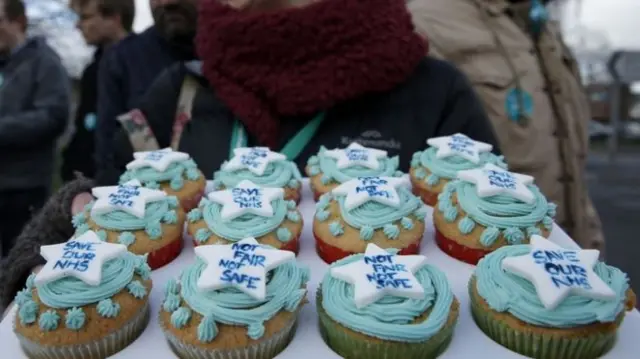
(357,155)
(502,179)
(386,272)
(154,156)
(123,196)
(247,197)
(563,267)
(461,144)
(243,256)
(371,186)
(254,158)
(77,255)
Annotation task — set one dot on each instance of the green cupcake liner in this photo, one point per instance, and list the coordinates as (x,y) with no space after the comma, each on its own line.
(540,346)
(349,347)
(265,348)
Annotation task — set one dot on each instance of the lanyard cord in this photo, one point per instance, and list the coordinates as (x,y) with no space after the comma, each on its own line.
(291,149)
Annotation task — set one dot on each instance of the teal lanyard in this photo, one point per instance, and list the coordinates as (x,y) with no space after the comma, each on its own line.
(291,149)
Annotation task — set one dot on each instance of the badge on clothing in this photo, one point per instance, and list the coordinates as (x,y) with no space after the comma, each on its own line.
(512,104)
(90,121)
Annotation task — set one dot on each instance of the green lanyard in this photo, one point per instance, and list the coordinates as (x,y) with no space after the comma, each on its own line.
(291,149)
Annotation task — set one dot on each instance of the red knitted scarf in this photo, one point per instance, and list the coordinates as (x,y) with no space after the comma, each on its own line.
(303,60)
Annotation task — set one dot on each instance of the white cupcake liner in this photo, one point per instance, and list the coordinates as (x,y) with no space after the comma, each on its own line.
(100,348)
(262,349)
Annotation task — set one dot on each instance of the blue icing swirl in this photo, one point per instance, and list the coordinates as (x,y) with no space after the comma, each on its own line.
(207,329)
(180,317)
(390,318)
(23,295)
(283,234)
(194,215)
(514,217)
(328,166)
(122,221)
(107,308)
(232,307)
(247,225)
(127,238)
(278,174)
(28,312)
(507,292)
(378,215)
(149,175)
(448,167)
(75,318)
(49,321)
(69,292)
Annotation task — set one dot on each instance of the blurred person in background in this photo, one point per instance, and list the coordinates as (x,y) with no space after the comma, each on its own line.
(128,69)
(34,110)
(291,75)
(529,84)
(103,23)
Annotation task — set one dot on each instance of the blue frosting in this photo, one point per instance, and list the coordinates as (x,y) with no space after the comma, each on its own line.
(374,214)
(447,168)
(390,318)
(247,225)
(284,290)
(70,292)
(278,174)
(156,213)
(507,292)
(330,171)
(501,214)
(174,174)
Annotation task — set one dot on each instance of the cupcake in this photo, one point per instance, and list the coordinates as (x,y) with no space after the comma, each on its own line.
(262,167)
(146,221)
(238,300)
(168,170)
(380,210)
(330,168)
(90,300)
(488,208)
(549,302)
(383,305)
(247,210)
(433,168)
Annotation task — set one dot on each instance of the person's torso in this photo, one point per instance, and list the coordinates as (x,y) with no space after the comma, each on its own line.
(142,58)
(19,77)
(529,87)
(399,122)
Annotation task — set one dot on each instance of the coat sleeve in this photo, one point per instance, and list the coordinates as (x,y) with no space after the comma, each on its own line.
(47,117)
(464,113)
(51,225)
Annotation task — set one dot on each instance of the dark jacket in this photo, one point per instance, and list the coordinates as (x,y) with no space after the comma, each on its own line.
(34,110)
(436,100)
(126,72)
(79,154)
(51,225)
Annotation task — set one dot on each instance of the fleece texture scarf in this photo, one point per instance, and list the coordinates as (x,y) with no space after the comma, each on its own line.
(301,61)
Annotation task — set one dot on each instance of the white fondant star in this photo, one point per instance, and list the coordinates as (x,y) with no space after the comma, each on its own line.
(379,273)
(254,159)
(492,180)
(556,272)
(357,155)
(80,257)
(459,145)
(130,197)
(246,197)
(364,189)
(158,160)
(243,265)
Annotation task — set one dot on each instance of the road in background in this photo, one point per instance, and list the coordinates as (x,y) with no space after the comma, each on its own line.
(615,191)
